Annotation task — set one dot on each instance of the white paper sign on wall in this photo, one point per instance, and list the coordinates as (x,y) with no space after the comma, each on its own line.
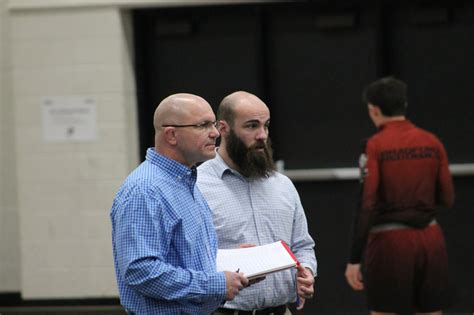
(69,119)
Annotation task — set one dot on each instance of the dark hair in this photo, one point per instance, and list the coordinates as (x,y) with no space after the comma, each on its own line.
(389,94)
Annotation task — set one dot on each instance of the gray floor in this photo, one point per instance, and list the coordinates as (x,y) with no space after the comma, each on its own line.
(66,310)
(106,310)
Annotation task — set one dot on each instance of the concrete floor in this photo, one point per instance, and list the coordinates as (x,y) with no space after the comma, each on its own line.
(108,310)
(66,310)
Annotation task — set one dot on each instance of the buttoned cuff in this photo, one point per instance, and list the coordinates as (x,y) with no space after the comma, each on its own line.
(217,286)
(310,269)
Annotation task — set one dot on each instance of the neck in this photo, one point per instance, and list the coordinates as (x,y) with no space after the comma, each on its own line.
(386,119)
(172,155)
(222,151)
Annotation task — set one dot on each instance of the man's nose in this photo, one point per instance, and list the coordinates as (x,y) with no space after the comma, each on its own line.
(262,133)
(214,132)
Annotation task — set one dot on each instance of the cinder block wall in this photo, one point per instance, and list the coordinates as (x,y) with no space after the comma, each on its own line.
(9,236)
(65,188)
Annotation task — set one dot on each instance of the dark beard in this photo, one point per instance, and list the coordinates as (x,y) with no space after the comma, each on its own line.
(251,164)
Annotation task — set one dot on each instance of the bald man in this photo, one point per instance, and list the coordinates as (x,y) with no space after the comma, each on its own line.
(254,204)
(164,242)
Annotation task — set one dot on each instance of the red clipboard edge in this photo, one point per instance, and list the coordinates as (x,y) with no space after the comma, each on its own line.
(290,252)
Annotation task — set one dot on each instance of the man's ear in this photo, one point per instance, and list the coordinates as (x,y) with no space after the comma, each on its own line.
(223,127)
(170,135)
(374,110)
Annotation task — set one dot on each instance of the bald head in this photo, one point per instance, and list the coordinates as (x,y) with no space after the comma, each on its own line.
(175,109)
(244,121)
(240,99)
(184,129)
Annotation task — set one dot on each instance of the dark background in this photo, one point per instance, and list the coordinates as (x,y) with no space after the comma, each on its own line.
(309,62)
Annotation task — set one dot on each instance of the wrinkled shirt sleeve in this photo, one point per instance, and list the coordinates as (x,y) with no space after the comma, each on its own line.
(302,244)
(143,238)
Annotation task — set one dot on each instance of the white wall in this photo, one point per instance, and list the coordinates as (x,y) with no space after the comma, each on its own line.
(65,189)
(9,241)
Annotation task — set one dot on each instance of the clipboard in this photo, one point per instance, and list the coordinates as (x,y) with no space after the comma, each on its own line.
(258,261)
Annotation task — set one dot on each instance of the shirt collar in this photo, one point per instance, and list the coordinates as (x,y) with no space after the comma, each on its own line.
(221,167)
(171,167)
(395,123)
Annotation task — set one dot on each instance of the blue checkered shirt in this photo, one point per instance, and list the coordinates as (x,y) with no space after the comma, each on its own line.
(259,212)
(164,242)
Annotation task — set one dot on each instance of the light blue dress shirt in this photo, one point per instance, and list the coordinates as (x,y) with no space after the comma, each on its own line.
(259,212)
(164,242)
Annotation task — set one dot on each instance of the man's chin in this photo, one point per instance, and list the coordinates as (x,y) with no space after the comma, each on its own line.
(210,154)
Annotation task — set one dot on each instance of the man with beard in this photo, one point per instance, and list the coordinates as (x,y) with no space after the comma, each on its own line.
(164,242)
(253,204)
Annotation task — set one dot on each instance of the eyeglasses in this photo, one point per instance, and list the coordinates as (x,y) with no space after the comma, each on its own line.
(203,125)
